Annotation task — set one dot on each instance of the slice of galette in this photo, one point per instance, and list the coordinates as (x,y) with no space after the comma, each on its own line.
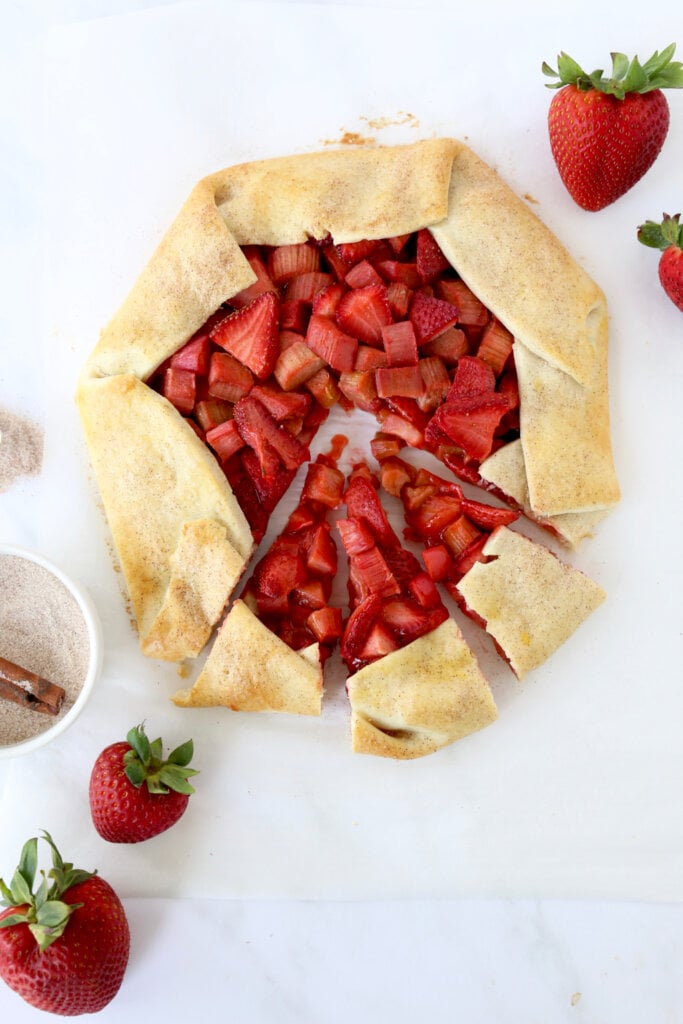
(415,685)
(527,599)
(269,652)
(361,277)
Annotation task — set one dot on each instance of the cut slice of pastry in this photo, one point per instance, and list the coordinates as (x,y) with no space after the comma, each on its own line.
(528,600)
(415,684)
(269,652)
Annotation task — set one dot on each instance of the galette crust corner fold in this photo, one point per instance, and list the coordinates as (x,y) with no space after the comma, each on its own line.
(249,668)
(420,698)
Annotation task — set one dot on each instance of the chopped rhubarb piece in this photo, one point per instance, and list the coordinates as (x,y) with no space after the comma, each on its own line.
(229,379)
(225,439)
(393,474)
(332,344)
(431,317)
(362,274)
(473,553)
(392,423)
(430,260)
(353,252)
(436,382)
(262,433)
(384,446)
(433,515)
(472,312)
(194,356)
(325,302)
(210,412)
(397,272)
(459,534)
(296,364)
(438,562)
(403,381)
(449,346)
(369,358)
(294,316)
(363,312)
(400,344)
(306,286)
(262,283)
(326,624)
(356,536)
(495,346)
(324,388)
(180,388)
(399,297)
(287,261)
(310,594)
(360,389)
(324,484)
(409,409)
(337,265)
(251,334)
(282,405)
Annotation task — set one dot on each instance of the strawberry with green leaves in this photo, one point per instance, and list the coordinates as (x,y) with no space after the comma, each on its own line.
(63,947)
(668,237)
(135,793)
(607,131)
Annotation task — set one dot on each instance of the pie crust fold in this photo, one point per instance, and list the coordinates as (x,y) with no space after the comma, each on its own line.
(249,668)
(420,698)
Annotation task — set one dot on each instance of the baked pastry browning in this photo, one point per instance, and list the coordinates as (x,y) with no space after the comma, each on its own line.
(182,536)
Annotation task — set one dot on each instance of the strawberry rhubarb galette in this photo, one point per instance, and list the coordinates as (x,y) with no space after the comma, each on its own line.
(407,284)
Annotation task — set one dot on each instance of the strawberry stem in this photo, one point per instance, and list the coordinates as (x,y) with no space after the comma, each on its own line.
(628,76)
(663,234)
(144,762)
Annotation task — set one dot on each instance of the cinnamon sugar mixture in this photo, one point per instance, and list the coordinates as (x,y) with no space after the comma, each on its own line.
(21,448)
(41,629)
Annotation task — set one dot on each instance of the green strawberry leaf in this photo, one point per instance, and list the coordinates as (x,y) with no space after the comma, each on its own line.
(658,72)
(21,890)
(137,738)
(28,861)
(183,754)
(136,772)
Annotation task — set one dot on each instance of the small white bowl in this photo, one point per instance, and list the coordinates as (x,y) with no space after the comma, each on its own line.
(94,631)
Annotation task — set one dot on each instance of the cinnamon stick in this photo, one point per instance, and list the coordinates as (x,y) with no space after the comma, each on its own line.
(29,689)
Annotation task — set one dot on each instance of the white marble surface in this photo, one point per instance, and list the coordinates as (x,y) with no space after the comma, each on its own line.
(107,120)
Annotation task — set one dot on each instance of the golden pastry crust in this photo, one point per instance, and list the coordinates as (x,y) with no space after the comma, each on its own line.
(510,260)
(530,601)
(420,698)
(250,669)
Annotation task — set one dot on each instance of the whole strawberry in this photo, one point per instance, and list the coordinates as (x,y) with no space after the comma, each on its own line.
(605,133)
(136,794)
(668,237)
(63,948)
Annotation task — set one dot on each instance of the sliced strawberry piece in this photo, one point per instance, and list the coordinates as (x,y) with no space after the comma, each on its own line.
(429,260)
(337,265)
(397,243)
(321,552)
(251,334)
(487,517)
(399,426)
(363,312)
(262,433)
(398,272)
(354,252)
(280,571)
(357,629)
(362,502)
(310,594)
(296,364)
(438,562)
(379,642)
(229,379)
(180,388)
(325,302)
(324,484)
(399,381)
(287,261)
(363,274)
(434,514)
(225,439)
(431,317)
(470,423)
(400,344)
(409,621)
(241,480)
(194,356)
(473,553)
(282,405)
(329,342)
(424,591)
(403,564)
(472,377)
